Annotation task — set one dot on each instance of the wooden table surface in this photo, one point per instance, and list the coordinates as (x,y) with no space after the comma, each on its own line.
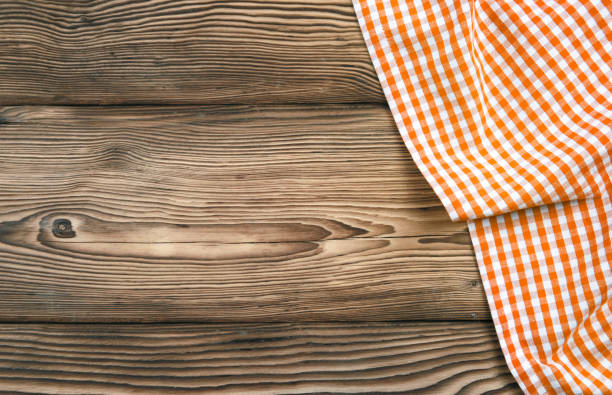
(207,196)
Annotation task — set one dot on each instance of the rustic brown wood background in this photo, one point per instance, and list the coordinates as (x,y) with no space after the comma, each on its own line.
(211,196)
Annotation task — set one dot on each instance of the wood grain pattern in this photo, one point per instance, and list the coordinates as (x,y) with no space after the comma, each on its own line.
(183,51)
(157,214)
(427,358)
(220,213)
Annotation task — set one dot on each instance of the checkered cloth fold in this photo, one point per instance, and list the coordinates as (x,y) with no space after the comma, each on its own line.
(506,107)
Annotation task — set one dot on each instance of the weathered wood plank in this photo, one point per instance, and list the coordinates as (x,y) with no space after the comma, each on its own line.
(428,358)
(156,214)
(183,51)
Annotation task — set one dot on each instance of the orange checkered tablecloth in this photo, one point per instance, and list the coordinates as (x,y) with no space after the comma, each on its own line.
(506,107)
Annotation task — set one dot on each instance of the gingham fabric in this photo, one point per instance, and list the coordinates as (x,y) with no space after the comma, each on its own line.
(506,107)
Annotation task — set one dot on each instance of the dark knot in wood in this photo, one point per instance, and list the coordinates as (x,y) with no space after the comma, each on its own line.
(63,228)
